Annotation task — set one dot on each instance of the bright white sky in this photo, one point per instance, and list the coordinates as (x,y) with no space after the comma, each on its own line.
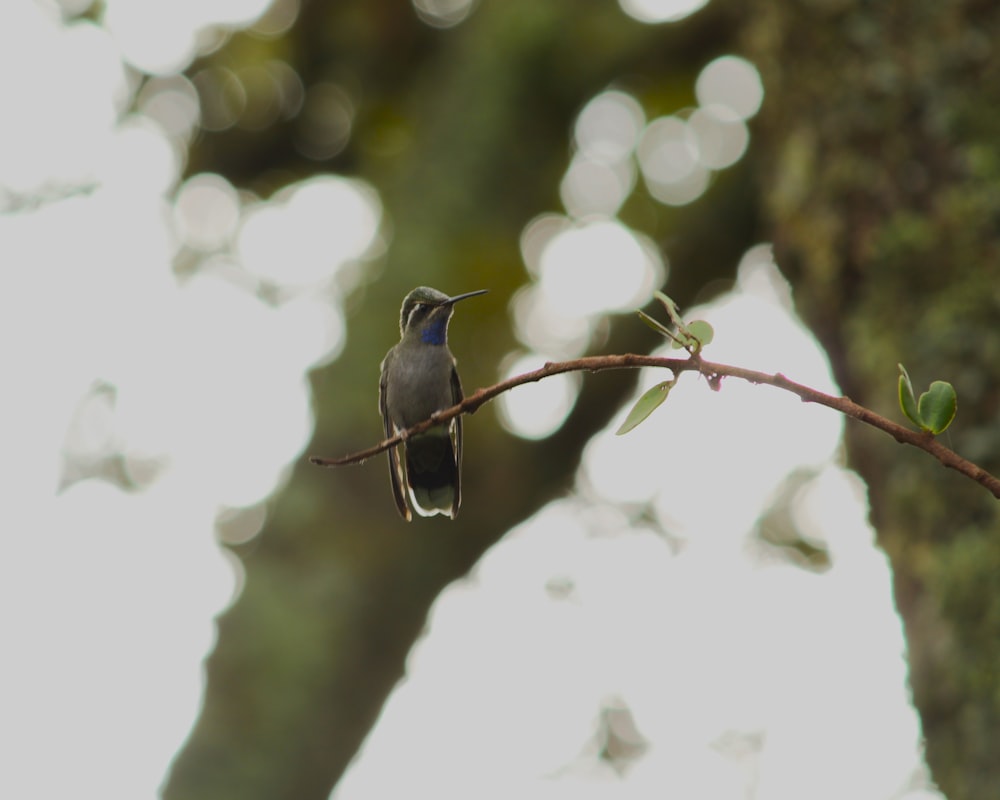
(747,677)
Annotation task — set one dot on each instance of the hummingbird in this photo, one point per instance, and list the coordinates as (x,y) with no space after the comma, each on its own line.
(418,378)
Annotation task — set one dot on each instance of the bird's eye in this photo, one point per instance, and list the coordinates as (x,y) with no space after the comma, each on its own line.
(418,311)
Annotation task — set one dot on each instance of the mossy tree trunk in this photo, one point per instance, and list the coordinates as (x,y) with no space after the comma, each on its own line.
(879,148)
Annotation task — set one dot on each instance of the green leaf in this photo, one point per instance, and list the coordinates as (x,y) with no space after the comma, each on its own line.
(693,336)
(937,406)
(702,331)
(673,311)
(907,402)
(646,405)
(656,326)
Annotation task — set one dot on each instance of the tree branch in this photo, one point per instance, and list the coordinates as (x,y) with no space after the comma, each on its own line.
(714,373)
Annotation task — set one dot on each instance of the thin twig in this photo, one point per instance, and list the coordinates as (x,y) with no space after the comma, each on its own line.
(713,372)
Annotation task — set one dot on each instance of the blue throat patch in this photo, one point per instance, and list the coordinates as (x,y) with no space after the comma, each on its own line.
(436,332)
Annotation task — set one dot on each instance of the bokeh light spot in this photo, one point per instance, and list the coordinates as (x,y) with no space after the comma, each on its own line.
(536,236)
(670,160)
(536,410)
(681,192)
(608,126)
(653,11)
(443,13)
(292,92)
(278,19)
(722,136)
(732,82)
(222,97)
(152,36)
(309,231)
(668,152)
(161,38)
(63,109)
(236,526)
(263,97)
(591,186)
(172,102)
(598,266)
(619,468)
(207,212)
(273,91)
(324,125)
(139,154)
(544,329)
(313,327)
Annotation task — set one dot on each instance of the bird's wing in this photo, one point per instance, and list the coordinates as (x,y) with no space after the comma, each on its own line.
(396,475)
(456,397)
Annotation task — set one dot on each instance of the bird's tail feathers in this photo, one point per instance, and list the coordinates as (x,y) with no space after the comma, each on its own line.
(432,473)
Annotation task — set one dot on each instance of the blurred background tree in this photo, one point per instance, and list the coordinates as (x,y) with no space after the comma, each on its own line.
(465,132)
(873,169)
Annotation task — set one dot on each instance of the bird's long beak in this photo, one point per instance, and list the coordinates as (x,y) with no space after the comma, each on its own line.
(457,297)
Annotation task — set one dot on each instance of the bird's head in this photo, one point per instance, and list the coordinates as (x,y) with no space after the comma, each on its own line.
(427,311)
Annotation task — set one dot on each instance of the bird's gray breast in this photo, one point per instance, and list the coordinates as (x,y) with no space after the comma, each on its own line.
(418,382)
